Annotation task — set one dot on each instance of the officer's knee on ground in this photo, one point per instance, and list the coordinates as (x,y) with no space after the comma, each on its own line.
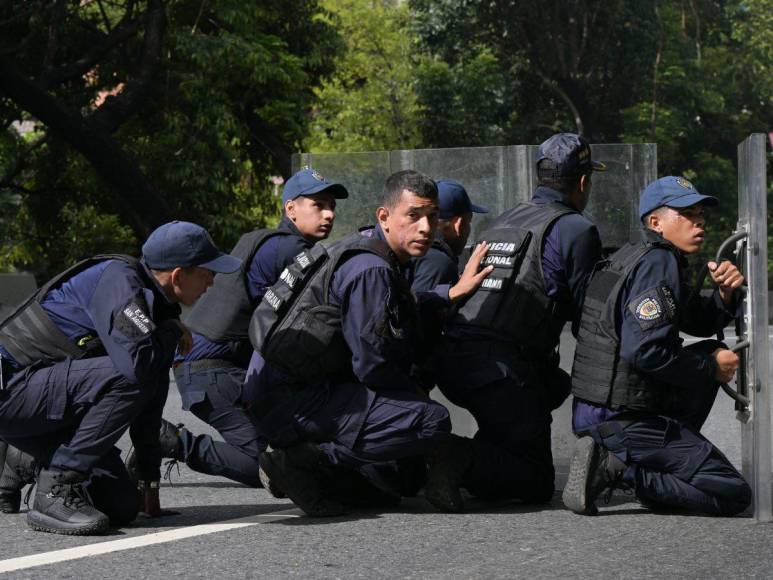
(737,500)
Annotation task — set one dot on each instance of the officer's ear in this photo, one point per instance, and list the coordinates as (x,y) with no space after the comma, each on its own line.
(654,220)
(382,215)
(290,209)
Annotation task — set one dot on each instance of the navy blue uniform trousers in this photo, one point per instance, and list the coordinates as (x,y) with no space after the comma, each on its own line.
(71,414)
(215,397)
(357,427)
(671,465)
(511,400)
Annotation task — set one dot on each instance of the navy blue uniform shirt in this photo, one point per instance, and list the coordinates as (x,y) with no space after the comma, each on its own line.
(571,249)
(438,266)
(129,313)
(653,346)
(273,256)
(380,320)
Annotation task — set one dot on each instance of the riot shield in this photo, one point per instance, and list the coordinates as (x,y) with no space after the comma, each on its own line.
(498,177)
(753,381)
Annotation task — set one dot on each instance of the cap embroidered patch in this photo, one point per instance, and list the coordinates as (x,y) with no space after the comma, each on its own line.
(684,183)
(317,175)
(648,309)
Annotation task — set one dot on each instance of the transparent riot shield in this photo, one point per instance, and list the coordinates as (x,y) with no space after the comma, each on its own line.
(498,177)
(753,381)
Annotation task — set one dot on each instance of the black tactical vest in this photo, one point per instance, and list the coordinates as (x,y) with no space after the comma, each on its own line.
(30,336)
(223,312)
(294,327)
(512,300)
(599,375)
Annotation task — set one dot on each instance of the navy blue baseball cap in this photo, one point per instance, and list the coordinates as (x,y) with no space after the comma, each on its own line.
(671,191)
(183,244)
(566,155)
(308,182)
(453,200)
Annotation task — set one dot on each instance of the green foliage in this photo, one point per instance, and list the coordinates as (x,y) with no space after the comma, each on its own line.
(370,102)
(222,114)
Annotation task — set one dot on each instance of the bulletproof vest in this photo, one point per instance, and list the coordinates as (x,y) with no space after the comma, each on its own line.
(599,375)
(512,300)
(294,327)
(442,246)
(223,312)
(30,336)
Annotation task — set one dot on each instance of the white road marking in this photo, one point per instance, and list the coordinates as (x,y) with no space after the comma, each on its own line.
(100,548)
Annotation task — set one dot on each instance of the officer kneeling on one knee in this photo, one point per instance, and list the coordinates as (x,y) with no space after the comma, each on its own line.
(641,398)
(210,377)
(88,357)
(347,333)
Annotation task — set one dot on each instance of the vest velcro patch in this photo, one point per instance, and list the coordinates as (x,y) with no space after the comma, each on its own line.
(288,278)
(133,321)
(502,248)
(499,261)
(274,301)
(492,284)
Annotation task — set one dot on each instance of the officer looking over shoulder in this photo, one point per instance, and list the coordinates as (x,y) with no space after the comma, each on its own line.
(641,398)
(210,377)
(440,265)
(355,345)
(501,359)
(89,357)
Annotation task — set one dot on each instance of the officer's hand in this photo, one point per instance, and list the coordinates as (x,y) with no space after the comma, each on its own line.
(727,363)
(471,278)
(727,276)
(150,503)
(185,344)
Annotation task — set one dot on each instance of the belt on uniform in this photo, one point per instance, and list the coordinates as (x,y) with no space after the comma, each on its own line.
(204,364)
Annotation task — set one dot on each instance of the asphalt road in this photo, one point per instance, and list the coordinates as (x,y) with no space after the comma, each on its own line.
(225,530)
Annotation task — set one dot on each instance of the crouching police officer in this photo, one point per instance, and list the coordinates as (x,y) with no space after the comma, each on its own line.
(640,397)
(90,353)
(501,360)
(210,377)
(352,333)
(440,265)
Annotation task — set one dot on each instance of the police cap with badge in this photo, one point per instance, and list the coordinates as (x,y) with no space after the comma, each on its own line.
(671,191)
(309,182)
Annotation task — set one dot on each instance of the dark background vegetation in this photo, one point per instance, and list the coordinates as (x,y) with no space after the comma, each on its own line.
(119,115)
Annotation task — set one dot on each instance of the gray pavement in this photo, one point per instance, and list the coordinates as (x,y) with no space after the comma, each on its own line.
(412,541)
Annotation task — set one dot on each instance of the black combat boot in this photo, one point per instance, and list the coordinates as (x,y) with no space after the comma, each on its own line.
(270,486)
(18,471)
(593,469)
(171,447)
(63,506)
(448,462)
(300,472)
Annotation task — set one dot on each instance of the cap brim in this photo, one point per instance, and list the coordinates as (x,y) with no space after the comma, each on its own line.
(478,208)
(692,199)
(337,190)
(223,264)
(598,166)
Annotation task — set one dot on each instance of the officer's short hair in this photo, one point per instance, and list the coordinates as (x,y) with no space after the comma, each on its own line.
(658,210)
(413,181)
(548,176)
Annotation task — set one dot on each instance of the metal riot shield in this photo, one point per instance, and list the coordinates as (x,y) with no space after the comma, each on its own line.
(753,381)
(498,177)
